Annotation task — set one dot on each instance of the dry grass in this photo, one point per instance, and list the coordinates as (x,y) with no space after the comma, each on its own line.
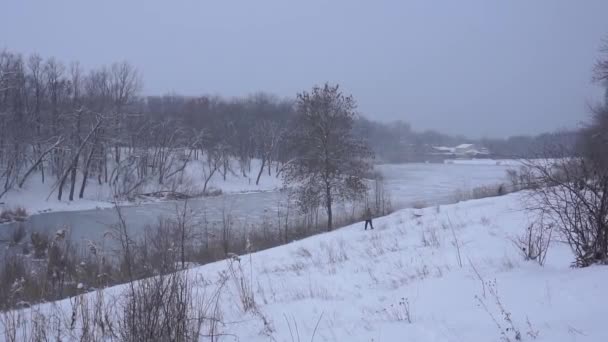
(484,191)
(399,312)
(17,214)
(164,308)
(335,253)
(303,253)
(429,238)
(419,205)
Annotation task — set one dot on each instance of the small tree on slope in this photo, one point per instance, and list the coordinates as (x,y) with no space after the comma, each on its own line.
(329,162)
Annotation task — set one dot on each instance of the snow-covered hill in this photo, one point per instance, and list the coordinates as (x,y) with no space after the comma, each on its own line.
(448,273)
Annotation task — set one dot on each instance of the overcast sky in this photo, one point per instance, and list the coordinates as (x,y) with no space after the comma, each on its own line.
(473,67)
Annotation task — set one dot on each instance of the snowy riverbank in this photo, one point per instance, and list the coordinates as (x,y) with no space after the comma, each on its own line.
(37,197)
(446,273)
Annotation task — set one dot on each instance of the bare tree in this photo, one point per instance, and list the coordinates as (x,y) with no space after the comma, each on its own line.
(39,161)
(78,113)
(267,135)
(601,66)
(56,86)
(74,160)
(124,84)
(36,86)
(12,119)
(571,195)
(214,163)
(329,163)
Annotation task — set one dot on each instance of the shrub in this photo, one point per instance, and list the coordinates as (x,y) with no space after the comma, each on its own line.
(522,178)
(164,308)
(17,235)
(400,312)
(504,322)
(480,192)
(40,243)
(573,201)
(161,308)
(18,214)
(419,205)
(534,243)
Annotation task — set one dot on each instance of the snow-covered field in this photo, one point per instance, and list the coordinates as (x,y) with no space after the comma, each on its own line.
(446,273)
(37,197)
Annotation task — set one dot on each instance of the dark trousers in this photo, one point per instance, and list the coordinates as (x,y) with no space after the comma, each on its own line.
(369,221)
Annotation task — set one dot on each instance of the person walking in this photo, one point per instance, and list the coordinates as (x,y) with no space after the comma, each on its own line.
(368,218)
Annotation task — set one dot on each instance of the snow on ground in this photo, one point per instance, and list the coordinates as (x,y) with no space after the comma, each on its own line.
(38,197)
(235,182)
(407,281)
(408,184)
(485,161)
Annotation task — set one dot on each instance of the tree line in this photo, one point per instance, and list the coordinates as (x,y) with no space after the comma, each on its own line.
(65,125)
(57,120)
(71,127)
(398,142)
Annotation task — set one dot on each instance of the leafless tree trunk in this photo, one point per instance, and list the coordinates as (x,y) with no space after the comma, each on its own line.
(267,136)
(75,157)
(40,160)
(77,105)
(124,83)
(87,165)
(214,162)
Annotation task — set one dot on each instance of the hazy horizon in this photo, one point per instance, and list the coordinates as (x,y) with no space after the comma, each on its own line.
(474,68)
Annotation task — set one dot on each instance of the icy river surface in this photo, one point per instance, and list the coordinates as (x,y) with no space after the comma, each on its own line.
(407,184)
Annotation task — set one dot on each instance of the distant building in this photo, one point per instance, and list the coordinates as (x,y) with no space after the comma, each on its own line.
(444,149)
(461,151)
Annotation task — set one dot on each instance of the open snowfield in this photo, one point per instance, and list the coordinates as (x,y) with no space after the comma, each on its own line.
(447,273)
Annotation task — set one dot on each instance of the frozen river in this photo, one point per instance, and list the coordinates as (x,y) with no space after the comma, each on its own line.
(408,184)
(432,184)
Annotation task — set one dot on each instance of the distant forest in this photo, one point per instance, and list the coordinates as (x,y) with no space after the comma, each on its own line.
(240,120)
(397,142)
(67,124)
